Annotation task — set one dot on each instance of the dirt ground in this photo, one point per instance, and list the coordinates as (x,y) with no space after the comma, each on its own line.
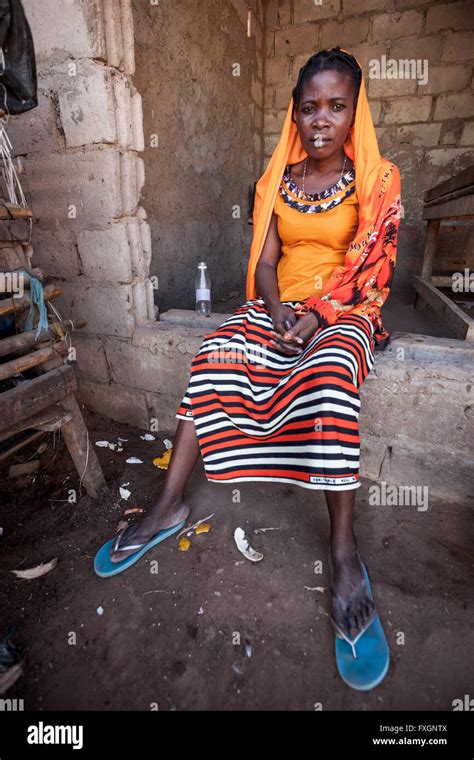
(212,630)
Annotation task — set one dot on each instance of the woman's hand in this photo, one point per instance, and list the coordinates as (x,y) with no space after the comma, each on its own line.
(283,317)
(291,333)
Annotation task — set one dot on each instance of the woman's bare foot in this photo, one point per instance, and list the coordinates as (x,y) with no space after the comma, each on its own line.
(164,514)
(351,606)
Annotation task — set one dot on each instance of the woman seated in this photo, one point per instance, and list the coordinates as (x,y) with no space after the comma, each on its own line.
(274,391)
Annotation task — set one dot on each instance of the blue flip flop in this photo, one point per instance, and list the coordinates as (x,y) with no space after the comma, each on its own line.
(104,566)
(363,661)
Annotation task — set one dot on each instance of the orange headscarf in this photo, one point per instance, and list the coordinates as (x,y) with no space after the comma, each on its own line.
(362,283)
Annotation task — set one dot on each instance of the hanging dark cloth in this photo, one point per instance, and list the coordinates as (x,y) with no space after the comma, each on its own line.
(17,60)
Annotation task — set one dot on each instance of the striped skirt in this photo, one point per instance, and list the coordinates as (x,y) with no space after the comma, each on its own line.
(262,415)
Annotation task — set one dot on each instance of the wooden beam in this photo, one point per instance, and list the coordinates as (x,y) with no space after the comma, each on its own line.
(54,422)
(22,469)
(459,208)
(13,211)
(20,445)
(450,196)
(430,248)
(441,281)
(9,305)
(31,271)
(81,449)
(12,244)
(460,322)
(32,359)
(31,397)
(35,272)
(26,340)
(47,420)
(460,180)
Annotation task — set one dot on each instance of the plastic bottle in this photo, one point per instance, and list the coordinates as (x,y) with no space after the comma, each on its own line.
(203,291)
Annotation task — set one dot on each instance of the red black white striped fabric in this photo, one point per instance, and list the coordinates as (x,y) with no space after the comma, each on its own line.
(262,415)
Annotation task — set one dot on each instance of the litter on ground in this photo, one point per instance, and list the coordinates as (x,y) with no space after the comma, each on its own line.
(244,547)
(184,544)
(36,572)
(163,461)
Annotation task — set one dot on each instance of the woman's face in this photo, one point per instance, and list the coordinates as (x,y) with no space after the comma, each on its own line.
(325,113)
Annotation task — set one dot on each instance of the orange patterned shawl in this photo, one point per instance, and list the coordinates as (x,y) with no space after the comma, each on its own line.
(361,285)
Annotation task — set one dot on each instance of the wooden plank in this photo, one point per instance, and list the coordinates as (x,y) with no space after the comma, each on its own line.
(458,321)
(460,180)
(12,273)
(35,272)
(430,248)
(23,468)
(25,340)
(47,420)
(32,359)
(442,281)
(13,211)
(14,256)
(9,305)
(31,397)
(461,208)
(81,449)
(451,196)
(55,422)
(12,244)
(20,445)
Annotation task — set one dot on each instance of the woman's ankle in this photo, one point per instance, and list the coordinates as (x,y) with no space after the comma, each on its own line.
(343,546)
(167,501)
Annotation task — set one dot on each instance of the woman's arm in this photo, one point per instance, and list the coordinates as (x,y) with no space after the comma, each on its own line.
(266,271)
(283,317)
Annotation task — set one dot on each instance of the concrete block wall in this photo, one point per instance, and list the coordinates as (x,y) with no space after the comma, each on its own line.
(83,176)
(426,129)
(82,172)
(83,152)
(416,421)
(200,71)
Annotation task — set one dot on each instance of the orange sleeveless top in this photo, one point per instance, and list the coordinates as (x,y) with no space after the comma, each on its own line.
(315,232)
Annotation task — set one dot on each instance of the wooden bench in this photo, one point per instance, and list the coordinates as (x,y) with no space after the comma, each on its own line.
(450,200)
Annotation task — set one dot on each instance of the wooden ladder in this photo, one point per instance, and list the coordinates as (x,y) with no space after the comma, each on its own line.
(46,402)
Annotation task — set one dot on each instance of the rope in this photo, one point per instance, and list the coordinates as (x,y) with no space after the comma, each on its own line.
(10,176)
(87,460)
(36,299)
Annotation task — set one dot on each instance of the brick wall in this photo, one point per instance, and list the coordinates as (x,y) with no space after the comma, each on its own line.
(82,172)
(83,177)
(426,129)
